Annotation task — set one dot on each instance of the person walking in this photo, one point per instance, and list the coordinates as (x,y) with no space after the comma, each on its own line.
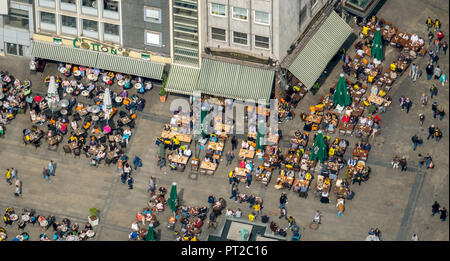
(424,99)
(211,200)
(414,237)
(444,47)
(130,182)
(435,208)
(443,79)
(13,173)
(234,192)
(403,163)
(291,222)
(402,100)
(340,207)
(437,72)
(413,72)
(233,143)
(434,108)
(408,104)
(429,23)
(8,176)
(283,200)
(437,134)
(51,168)
(416,141)
(257,209)
(46,174)
(151,185)
(230,157)
(249,179)
(437,45)
(137,162)
(429,70)
(441,112)
(430,37)
(421,160)
(230,177)
(444,214)
(18,188)
(283,213)
(421,119)
(431,132)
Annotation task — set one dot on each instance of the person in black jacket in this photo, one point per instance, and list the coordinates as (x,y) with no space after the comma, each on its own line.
(435,208)
(431,132)
(283,200)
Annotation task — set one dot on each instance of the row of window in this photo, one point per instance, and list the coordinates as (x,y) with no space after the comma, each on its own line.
(240,13)
(240,38)
(109,5)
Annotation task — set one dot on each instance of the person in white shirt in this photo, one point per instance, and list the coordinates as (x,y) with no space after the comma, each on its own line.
(414,38)
(74,125)
(238,213)
(148,86)
(360,52)
(245,144)
(187,152)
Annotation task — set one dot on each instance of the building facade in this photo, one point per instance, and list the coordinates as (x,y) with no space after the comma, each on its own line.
(16,27)
(124,36)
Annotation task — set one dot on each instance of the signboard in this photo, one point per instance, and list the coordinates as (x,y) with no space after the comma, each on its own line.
(100,47)
(3,7)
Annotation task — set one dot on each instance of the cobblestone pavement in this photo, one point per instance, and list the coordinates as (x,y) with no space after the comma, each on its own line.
(398,203)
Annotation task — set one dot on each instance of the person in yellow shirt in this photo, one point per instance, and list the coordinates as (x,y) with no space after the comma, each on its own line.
(331,152)
(365,30)
(370,78)
(176,143)
(393,67)
(251,217)
(8,176)
(257,209)
(231,176)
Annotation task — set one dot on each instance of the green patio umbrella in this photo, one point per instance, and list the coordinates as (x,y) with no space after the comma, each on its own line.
(161,151)
(202,124)
(341,95)
(319,151)
(173,197)
(377,46)
(260,135)
(150,233)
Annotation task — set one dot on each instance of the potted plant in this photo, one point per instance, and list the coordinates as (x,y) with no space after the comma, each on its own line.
(162,93)
(93,217)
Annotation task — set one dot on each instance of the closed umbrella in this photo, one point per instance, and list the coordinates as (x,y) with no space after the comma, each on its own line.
(52,91)
(150,233)
(202,125)
(377,46)
(340,95)
(319,151)
(260,136)
(162,151)
(107,103)
(173,197)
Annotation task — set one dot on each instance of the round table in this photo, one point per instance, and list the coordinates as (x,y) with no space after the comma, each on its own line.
(95,118)
(63,112)
(85,93)
(77,73)
(92,77)
(119,100)
(63,70)
(69,90)
(14,217)
(95,109)
(137,86)
(106,78)
(121,83)
(64,103)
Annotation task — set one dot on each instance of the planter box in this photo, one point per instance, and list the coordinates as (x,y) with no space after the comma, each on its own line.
(93,223)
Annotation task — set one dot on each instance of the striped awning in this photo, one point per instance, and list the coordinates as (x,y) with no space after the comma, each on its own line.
(182,79)
(65,54)
(235,81)
(320,49)
(131,66)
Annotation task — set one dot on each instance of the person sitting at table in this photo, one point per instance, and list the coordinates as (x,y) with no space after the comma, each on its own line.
(366,146)
(96,71)
(360,52)
(100,155)
(93,143)
(405,36)
(369,121)
(345,119)
(127,84)
(362,121)
(245,144)
(213,137)
(187,152)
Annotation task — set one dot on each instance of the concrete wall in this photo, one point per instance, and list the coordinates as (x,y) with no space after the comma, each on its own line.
(17,35)
(134,26)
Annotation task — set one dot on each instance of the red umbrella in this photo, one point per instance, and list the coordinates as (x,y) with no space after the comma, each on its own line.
(38,98)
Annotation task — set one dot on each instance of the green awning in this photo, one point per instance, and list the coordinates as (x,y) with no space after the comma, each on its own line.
(235,81)
(317,53)
(63,53)
(127,65)
(182,79)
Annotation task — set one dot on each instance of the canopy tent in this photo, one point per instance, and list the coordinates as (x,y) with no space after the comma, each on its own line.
(319,151)
(377,46)
(341,95)
(318,51)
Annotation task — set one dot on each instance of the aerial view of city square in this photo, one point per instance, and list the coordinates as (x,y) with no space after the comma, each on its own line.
(224,120)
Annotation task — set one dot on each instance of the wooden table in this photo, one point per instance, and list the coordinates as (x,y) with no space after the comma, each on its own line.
(240,172)
(79,131)
(222,127)
(73,145)
(217,146)
(360,153)
(376,99)
(208,165)
(314,119)
(243,153)
(179,159)
(182,137)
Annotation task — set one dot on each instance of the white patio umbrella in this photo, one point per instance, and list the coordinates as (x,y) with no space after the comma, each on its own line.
(107,103)
(52,95)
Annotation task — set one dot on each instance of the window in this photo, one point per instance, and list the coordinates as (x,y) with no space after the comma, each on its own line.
(72,2)
(218,9)
(240,38)
(69,21)
(11,48)
(68,5)
(17,18)
(218,34)
(262,42)
(47,3)
(152,15)
(89,25)
(313,4)
(89,3)
(261,17)
(240,13)
(47,18)
(303,16)
(111,29)
(153,38)
(111,5)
